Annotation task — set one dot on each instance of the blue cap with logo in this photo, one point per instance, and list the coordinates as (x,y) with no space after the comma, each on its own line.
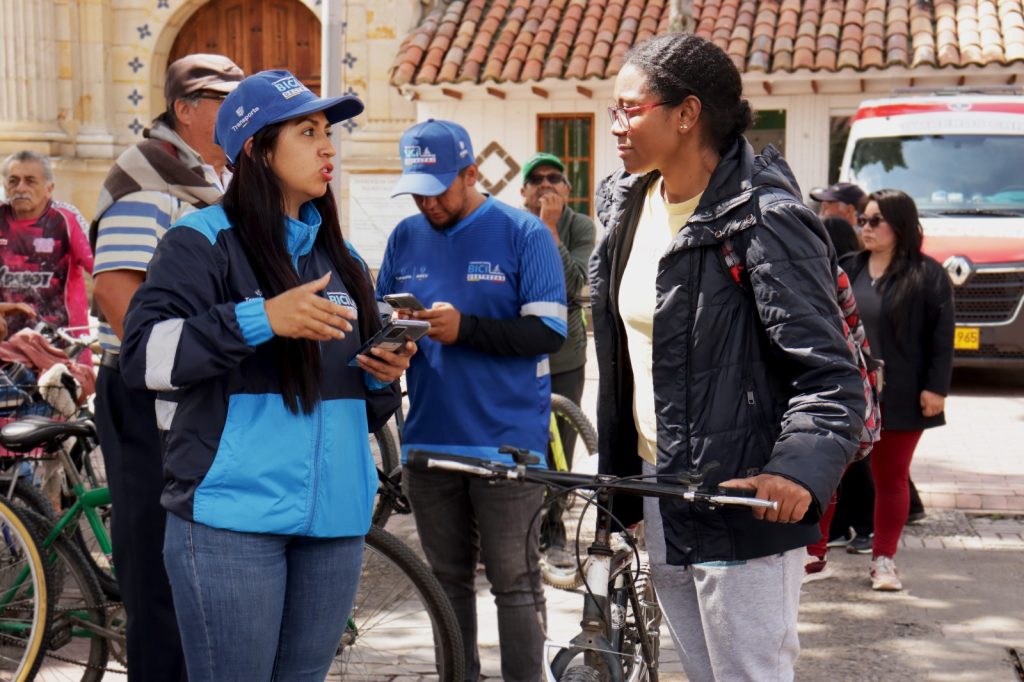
(271,97)
(433,153)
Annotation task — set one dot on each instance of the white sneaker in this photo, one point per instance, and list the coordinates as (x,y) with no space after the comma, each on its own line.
(884,576)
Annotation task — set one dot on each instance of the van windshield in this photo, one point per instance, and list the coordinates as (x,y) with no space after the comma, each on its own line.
(945,173)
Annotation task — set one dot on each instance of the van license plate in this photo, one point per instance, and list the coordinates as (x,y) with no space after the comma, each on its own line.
(967,338)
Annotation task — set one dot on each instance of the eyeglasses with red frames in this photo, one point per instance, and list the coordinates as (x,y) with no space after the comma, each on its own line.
(872,221)
(620,115)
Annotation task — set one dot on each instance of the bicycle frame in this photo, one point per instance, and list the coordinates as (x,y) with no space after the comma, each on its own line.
(557,453)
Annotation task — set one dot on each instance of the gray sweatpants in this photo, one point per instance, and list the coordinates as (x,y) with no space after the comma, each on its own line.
(731,621)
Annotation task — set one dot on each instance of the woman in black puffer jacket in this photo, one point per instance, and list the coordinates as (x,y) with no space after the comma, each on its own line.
(747,380)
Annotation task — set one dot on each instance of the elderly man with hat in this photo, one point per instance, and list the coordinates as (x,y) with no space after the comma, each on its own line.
(491,280)
(545,194)
(176,169)
(843,199)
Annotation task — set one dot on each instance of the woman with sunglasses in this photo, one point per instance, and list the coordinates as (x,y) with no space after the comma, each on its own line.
(721,354)
(906,303)
(247,321)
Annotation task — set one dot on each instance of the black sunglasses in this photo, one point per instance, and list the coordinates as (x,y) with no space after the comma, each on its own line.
(539,178)
(873,221)
(204,94)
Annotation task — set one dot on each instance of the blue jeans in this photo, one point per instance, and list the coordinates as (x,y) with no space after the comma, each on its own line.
(254,607)
(462,519)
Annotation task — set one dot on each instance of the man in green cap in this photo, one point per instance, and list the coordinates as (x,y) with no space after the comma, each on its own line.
(545,194)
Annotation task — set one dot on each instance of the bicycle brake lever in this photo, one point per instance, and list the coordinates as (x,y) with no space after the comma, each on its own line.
(520,456)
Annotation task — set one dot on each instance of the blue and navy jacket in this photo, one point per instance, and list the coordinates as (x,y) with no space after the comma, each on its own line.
(235,457)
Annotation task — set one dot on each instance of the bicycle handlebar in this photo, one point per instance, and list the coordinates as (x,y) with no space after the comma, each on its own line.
(423,460)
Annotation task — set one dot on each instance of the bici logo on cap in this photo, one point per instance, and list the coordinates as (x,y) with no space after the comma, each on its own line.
(290,87)
(414,154)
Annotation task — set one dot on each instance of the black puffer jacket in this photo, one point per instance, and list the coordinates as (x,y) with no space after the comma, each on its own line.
(738,390)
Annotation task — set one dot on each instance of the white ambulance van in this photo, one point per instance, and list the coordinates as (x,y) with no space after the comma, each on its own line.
(961,157)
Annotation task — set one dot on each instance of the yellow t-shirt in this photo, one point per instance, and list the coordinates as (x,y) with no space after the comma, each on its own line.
(659,223)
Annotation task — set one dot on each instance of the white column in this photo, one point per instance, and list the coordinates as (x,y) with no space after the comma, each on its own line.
(28,76)
(93,108)
(332,49)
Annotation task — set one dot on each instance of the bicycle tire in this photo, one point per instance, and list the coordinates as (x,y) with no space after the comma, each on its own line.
(581,673)
(389,460)
(20,548)
(398,599)
(26,494)
(571,413)
(77,600)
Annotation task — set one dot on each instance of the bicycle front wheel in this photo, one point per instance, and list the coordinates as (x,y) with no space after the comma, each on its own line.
(399,607)
(570,414)
(26,609)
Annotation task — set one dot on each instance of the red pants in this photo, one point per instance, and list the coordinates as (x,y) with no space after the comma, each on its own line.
(820,548)
(890,467)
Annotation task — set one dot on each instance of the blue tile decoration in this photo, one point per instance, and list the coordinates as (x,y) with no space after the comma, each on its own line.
(135,97)
(136,127)
(163,4)
(144,31)
(349,125)
(344,27)
(135,64)
(349,59)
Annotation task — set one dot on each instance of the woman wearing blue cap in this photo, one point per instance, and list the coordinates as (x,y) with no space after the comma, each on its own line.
(245,325)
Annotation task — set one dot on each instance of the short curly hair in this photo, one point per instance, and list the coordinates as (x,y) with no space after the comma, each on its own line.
(681,64)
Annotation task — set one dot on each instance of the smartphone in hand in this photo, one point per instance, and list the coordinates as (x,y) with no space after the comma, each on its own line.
(403,301)
(393,336)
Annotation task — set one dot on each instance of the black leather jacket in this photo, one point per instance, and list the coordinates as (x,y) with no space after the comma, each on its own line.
(738,389)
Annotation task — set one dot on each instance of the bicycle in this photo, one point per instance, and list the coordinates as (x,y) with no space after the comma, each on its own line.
(26,608)
(619,636)
(88,624)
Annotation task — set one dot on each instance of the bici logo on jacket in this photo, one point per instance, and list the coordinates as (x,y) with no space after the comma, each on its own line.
(483,271)
(341,298)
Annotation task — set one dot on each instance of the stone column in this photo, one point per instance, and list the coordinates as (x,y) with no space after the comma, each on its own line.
(28,77)
(91,32)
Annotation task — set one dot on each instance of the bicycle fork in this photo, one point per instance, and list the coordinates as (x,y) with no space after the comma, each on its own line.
(600,617)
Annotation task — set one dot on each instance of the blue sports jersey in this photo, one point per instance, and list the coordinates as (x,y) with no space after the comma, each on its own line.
(500,263)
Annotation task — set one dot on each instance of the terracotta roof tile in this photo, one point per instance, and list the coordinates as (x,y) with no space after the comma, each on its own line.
(524,40)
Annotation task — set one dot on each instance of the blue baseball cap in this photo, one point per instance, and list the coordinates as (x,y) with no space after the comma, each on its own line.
(271,97)
(433,153)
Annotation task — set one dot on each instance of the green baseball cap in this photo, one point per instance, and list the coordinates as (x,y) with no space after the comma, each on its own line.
(542,159)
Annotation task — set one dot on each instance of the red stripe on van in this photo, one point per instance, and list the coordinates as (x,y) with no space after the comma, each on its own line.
(902,109)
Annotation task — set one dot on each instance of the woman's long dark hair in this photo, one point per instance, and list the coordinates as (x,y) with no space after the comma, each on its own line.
(255,205)
(904,277)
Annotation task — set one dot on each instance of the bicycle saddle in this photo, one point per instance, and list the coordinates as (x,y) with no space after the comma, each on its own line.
(33,432)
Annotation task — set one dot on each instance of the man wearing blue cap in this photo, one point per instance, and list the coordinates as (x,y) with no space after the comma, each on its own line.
(491,280)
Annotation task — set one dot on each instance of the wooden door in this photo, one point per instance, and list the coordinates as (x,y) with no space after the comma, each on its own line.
(257,35)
